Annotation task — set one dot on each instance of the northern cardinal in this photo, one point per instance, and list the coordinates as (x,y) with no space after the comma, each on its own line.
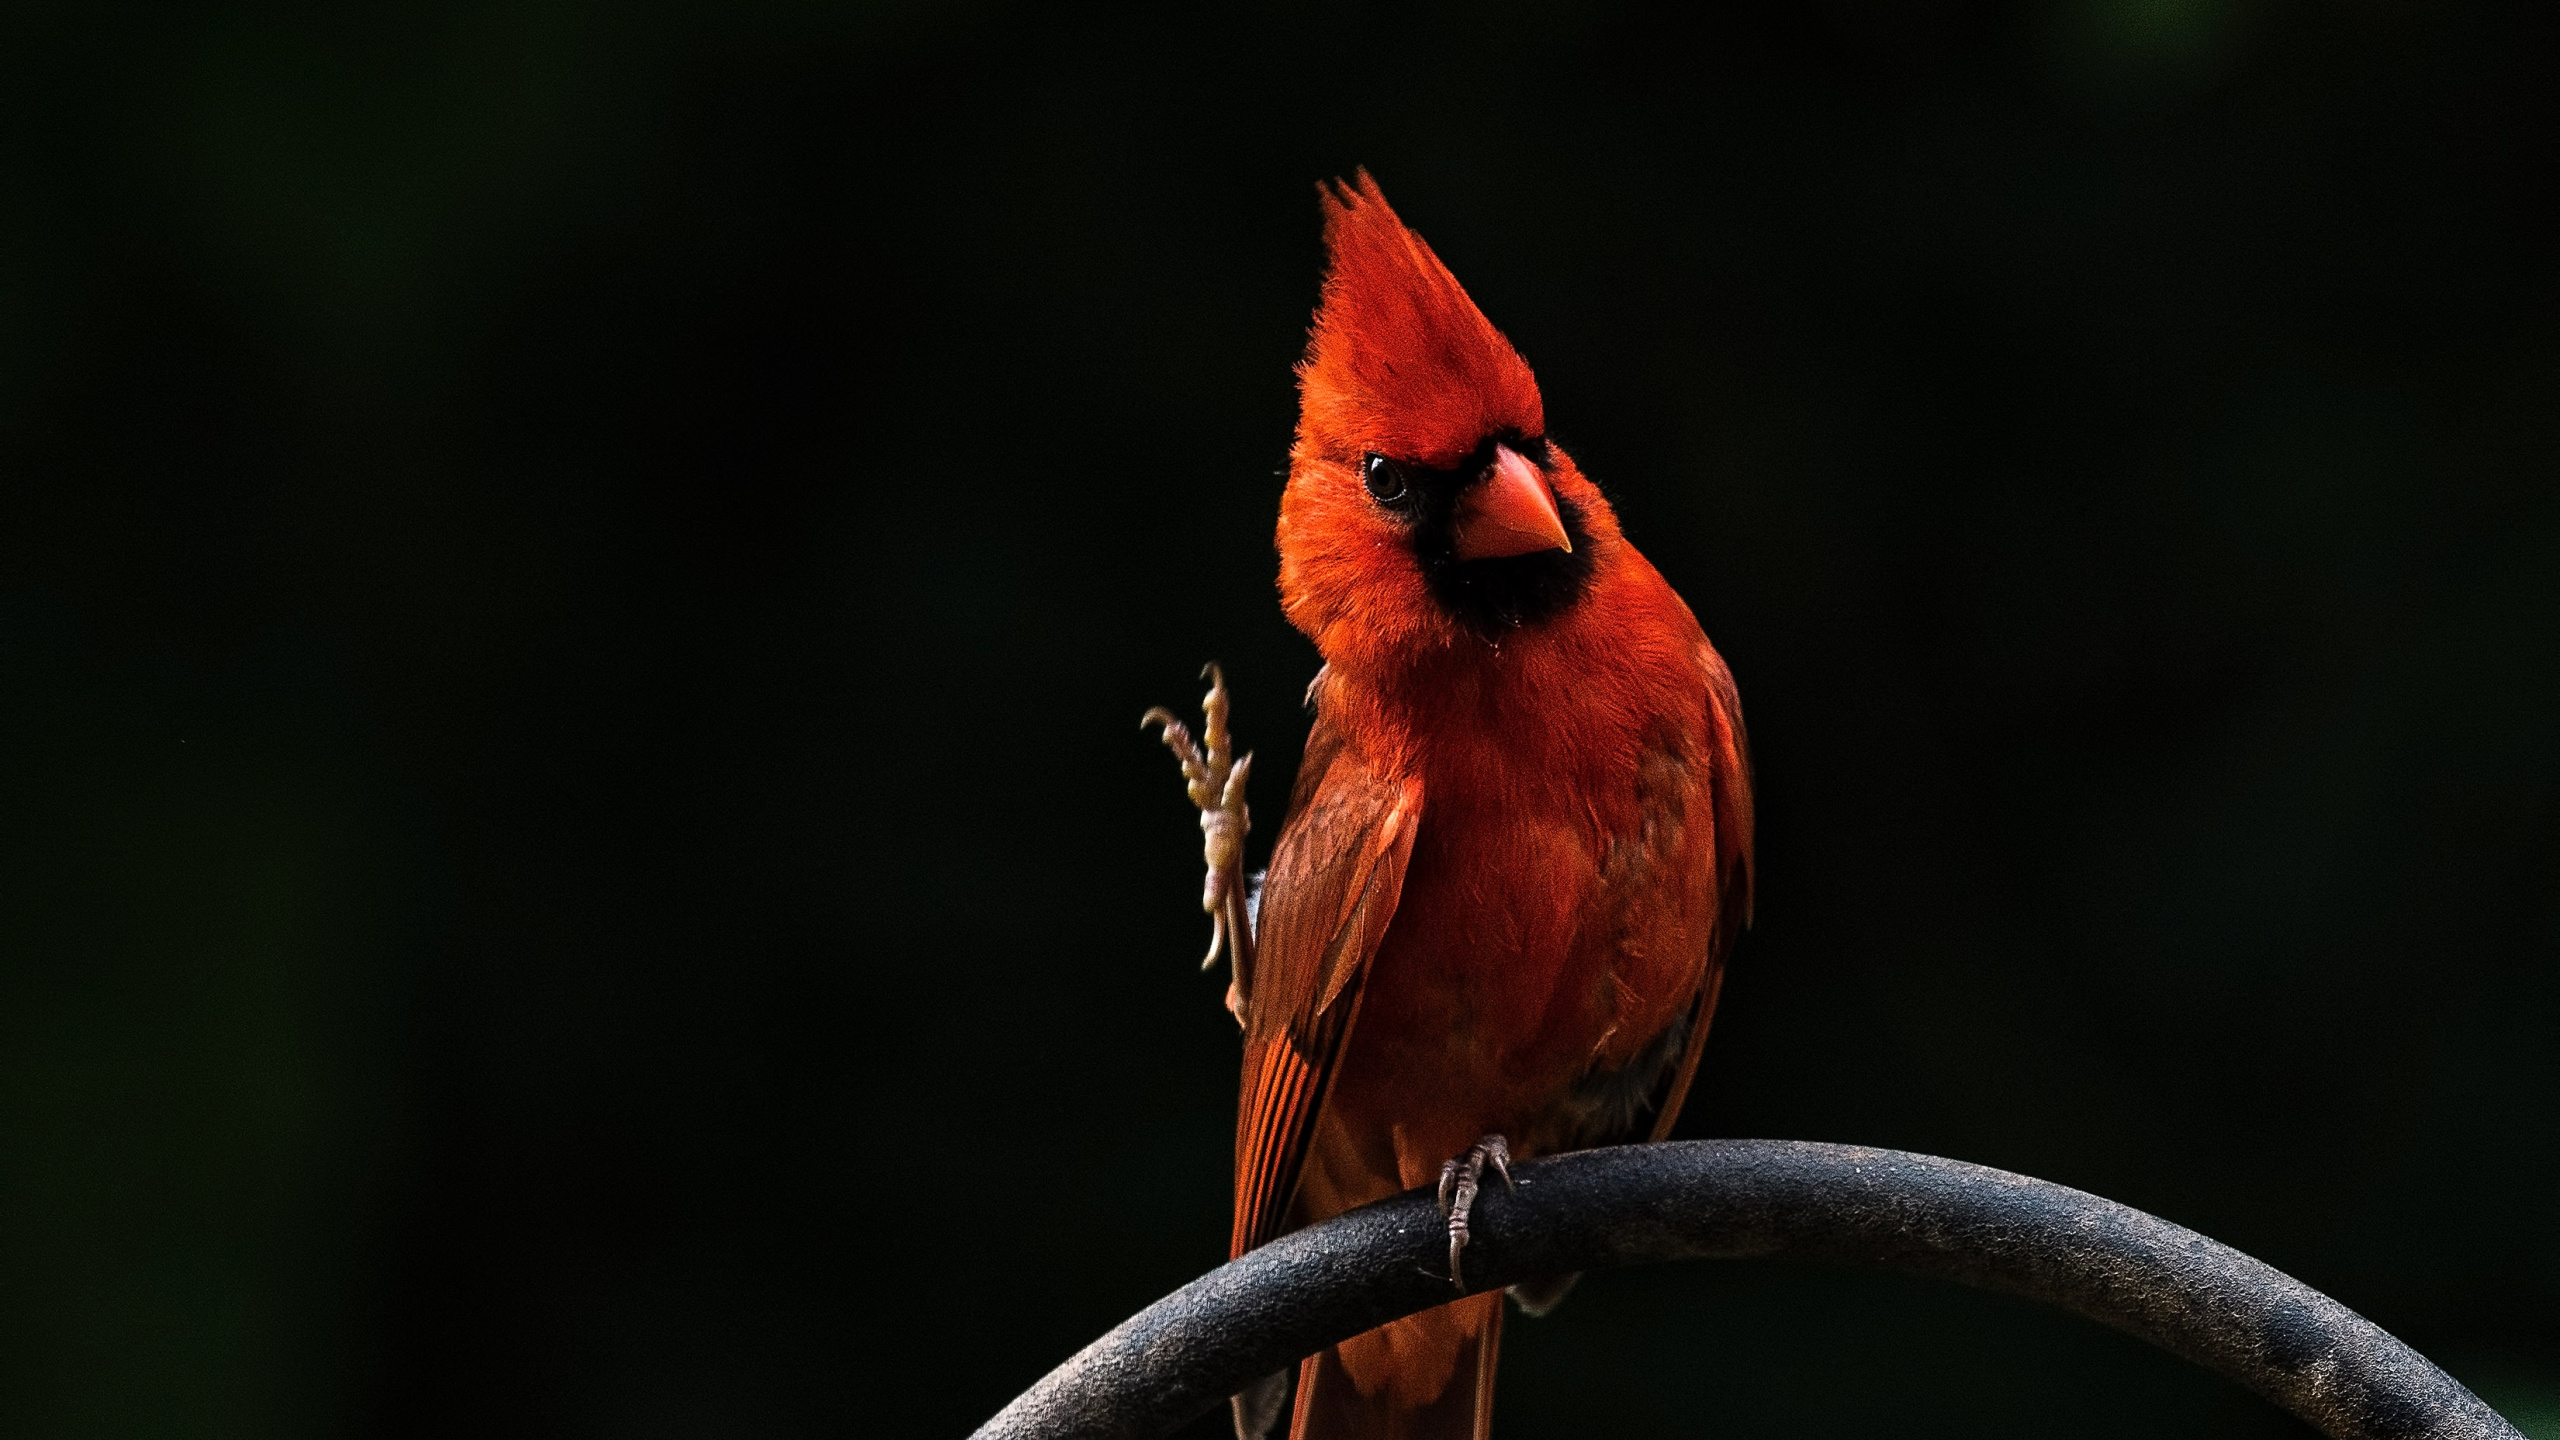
(1519,846)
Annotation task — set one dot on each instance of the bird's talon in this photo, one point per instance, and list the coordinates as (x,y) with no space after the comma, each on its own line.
(1217,939)
(1214,776)
(1459,1182)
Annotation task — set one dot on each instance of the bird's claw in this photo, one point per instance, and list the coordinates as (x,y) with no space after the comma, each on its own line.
(1215,777)
(1459,1181)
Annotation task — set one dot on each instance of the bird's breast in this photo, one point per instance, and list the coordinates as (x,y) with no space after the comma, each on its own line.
(1522,956)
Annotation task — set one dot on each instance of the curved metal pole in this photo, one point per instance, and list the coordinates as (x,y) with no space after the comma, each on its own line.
(1730,1199)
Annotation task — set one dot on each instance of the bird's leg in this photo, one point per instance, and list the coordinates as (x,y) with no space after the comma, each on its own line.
(1216,780)
(1459,1180)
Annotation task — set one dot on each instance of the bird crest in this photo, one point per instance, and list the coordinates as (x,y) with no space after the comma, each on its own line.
(1401,362)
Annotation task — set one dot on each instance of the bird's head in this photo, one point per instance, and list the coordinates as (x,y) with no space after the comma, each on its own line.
(1426,507)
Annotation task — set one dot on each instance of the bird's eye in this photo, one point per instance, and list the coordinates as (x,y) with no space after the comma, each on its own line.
(1385,481)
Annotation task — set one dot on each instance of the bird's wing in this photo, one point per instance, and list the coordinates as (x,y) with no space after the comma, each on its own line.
(1333,884)
(1729,784)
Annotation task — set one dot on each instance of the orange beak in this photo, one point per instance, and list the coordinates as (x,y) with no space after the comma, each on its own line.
(1509,512)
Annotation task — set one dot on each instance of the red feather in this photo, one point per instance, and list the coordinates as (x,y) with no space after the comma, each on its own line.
(1519,847)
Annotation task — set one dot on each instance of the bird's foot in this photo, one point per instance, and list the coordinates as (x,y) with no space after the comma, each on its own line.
(1459,1180)
(1537,1297)
(1259,1408)
(1215,777)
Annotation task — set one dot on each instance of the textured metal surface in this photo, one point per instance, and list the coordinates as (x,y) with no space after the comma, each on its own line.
(1728,1199)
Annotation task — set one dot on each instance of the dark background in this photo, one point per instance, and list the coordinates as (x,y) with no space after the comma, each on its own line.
(576,583)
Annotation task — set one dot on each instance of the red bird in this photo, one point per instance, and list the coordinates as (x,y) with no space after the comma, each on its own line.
(1519,846)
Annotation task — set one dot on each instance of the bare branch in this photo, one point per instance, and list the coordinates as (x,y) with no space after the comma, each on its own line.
(1730,1199)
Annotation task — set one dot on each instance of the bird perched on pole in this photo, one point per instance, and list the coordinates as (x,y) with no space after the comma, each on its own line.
(1519,846)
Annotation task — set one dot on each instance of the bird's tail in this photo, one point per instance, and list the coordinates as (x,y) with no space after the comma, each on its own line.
(1425,1377)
